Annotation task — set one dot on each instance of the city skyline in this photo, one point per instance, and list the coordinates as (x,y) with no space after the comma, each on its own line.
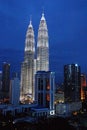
(66,21)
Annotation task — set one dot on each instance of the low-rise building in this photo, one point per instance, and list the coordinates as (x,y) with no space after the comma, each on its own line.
(68,108)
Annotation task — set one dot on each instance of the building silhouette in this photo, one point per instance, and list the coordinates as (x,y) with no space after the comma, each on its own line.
(0,81)
(45,89)
(14,90)
(72,83)
(5,80)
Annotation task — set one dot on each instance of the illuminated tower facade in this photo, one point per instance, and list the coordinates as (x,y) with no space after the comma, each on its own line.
(42,46)
(27,67)
(83,86)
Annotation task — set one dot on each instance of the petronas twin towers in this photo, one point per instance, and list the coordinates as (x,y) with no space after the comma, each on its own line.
(35,59)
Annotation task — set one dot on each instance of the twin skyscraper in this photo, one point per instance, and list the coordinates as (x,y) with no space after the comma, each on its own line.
(36,58)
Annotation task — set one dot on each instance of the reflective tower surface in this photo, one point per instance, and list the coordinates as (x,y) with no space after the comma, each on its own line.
(42,46)
(27,67)
(72,82)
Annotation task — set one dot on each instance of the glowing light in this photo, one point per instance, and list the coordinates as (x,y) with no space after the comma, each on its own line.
(76,64)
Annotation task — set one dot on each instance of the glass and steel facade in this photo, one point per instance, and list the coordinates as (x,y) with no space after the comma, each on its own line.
(45,89)
(72,82)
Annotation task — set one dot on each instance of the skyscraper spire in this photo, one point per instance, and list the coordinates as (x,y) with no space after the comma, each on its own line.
(43,46)
(42,18)
(30,41)
(30,25)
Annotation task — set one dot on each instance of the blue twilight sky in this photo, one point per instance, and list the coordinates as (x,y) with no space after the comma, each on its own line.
(67,27)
